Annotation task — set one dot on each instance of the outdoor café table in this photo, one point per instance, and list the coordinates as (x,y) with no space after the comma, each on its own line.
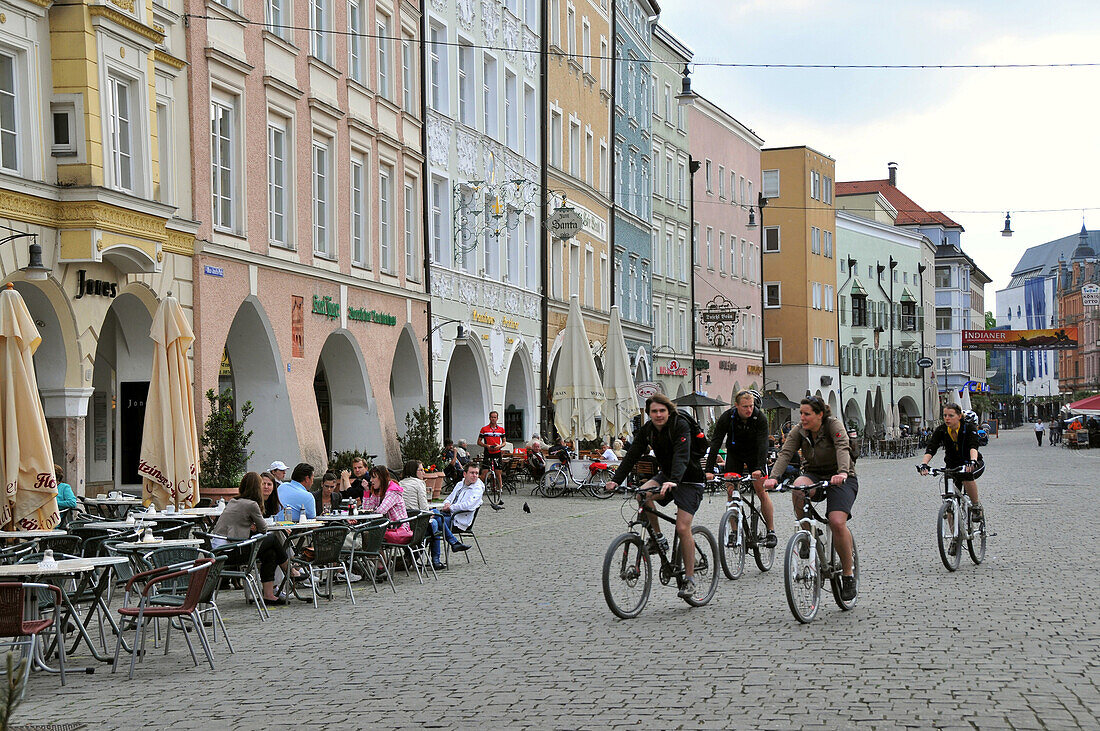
(123,524)
(150,546)
(116,506)
(30,535)
(84,570)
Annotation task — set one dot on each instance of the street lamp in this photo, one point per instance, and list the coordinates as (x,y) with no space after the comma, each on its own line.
(686,97)
(35,269)
(751,225)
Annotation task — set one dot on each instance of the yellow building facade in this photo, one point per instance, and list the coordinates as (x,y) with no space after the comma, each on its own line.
(799,243)
(94,169)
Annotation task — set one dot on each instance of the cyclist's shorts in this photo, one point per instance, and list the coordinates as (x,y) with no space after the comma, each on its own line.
(688,496)
(491,461)
(836,497)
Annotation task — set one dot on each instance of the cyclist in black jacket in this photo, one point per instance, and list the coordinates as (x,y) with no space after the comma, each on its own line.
(744,428)
(959,439)
(679,476)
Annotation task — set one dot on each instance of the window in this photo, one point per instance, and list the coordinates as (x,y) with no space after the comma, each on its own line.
(359,237)
(412,270)
(830,352)
(222,152)
(815,288)
(909,316)
(589,175)
(943,277)
(668,327)
(605,64)
(322,199)
(437,66)
(817,351)
(574,269)
(815,240)
(441,242)
(466,85)
(531,242)
(120,140)
(829,298)
(668,177)
(722,252)
(827,190)
(9,121)
(574,149)
(681,260)
(815,185)
(943,318)
(722,182)
(384,71)
(733,187)
(586,46)
(276,14)
(589,279)
(772,295)
(870,362)
(770,185)
(164,147)
(668,110)
(408,65)
(531,124)
(385,218)
(489,97)
(771,239)
(773,351)
(555,138)
(710,248)
(681,188)
(553,14)
(827,236)
(355,40)
(744,268)
(571,31)
(511,110)
(605,289)
(277,182)
(708,178)
(680,118)
(556,274)
(319,26)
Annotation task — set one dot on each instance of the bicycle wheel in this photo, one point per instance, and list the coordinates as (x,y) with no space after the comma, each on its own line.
(733,557)
(627,576)
(555,483)
(765,557)
(835,579)
(599,480)
(706,566)
(945,525)
(975,544)
(801,577)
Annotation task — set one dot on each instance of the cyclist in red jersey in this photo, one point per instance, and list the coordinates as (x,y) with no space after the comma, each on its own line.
(491,438)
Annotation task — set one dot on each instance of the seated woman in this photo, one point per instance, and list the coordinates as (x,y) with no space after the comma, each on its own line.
(328,497)
(415,489)
(385,497)
(66,498)
(244,517)
(271,505)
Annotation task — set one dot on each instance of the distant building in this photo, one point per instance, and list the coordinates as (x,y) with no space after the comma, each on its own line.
(1079,369)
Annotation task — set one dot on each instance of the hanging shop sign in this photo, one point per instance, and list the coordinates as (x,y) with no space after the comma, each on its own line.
(672,369)
(94,286)
(1090,295)
(719,317)
(646,389)
(755,370)
(727,365)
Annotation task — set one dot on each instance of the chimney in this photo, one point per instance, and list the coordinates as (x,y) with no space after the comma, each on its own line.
(893,168)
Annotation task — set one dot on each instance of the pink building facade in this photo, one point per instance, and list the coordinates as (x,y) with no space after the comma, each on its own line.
(309,273)
(726,251)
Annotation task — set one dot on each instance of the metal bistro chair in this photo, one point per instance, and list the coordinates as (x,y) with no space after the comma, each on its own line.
(467,532)
(207,600)
(24,630)
(416,550)
(327,543)
(368,552)
(12,554)
(61,544)
(146,609)
(245,555)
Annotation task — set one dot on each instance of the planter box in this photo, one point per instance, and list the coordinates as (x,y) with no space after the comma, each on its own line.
(434,481)
(226,493)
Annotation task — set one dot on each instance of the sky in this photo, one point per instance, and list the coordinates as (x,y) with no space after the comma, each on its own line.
(974,143)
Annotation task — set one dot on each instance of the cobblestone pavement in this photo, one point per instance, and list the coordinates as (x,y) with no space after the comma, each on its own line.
(527,641)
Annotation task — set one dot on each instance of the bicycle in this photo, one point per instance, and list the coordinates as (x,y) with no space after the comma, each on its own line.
(559,480)
(805,570)
(627,565)
(954,513)
(742,527)
(494,492)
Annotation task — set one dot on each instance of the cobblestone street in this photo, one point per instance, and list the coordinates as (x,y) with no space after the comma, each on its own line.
(528,641)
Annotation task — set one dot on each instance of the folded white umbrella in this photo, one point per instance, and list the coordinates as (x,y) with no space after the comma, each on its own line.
(170,440)
(26,458)
(620,403)
(964,400)
(578,392)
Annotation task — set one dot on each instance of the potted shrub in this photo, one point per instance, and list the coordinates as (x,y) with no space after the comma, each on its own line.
(421,442)
(224,444)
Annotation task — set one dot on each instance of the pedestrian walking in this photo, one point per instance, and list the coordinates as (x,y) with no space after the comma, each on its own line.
(1039,426)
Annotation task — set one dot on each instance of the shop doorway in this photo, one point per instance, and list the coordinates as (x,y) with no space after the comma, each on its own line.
(465,396)
(407,391)
(345,405)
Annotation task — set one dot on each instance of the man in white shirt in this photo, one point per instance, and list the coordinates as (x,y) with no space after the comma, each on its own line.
(457,511)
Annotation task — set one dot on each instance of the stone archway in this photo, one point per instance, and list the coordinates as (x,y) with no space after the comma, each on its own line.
(253,368)
(909,411)
(345,404)
(852,415)
(519,415)
(466,400)
(407,389)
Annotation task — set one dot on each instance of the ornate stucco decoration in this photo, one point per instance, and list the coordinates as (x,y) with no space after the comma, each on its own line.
(490,20)
(497,348)
(466,13)
(468,156)
(511,37)
(439,140)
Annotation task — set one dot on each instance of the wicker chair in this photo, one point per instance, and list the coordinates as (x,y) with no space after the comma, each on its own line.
(24,630)
(327,544)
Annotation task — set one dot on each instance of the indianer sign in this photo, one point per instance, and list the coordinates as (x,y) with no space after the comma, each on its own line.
(1062,338)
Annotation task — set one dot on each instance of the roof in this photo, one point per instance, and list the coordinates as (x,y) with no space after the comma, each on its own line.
(950,251)
(1042,260)
(909,213)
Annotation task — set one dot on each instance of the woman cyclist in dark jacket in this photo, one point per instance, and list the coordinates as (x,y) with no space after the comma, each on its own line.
(959,439)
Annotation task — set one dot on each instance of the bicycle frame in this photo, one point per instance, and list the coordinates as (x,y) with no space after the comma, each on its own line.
(954,492)
(746,508)
(563,467)
(669,568)
(819,531)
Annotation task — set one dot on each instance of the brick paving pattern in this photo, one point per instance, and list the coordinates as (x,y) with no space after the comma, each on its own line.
(528,642)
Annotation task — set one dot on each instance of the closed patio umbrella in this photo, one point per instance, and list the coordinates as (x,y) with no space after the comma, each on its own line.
(578,392)
(964,399)
(620,404)
(170,440)
(26,458)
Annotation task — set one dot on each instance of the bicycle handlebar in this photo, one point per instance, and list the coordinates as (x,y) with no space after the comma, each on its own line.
(788,486)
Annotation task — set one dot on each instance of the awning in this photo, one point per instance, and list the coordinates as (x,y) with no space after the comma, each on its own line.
(907,296)
(857,288)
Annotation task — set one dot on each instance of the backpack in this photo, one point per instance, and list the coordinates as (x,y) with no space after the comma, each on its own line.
(983,438)
(699,441)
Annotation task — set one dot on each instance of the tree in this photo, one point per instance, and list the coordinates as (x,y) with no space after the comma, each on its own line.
(990,324)
(420,440)
(224,442)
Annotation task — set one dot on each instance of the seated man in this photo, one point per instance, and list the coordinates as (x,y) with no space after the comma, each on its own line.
(295,496)
(457,511)
(536,463)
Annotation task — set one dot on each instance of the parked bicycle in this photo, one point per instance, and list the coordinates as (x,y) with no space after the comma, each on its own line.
(955,515)
(811,559)
(742,528)
(628,570)
(494,491)
(559,481)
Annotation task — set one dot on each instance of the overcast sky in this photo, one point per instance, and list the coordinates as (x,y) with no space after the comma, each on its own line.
(965,140)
